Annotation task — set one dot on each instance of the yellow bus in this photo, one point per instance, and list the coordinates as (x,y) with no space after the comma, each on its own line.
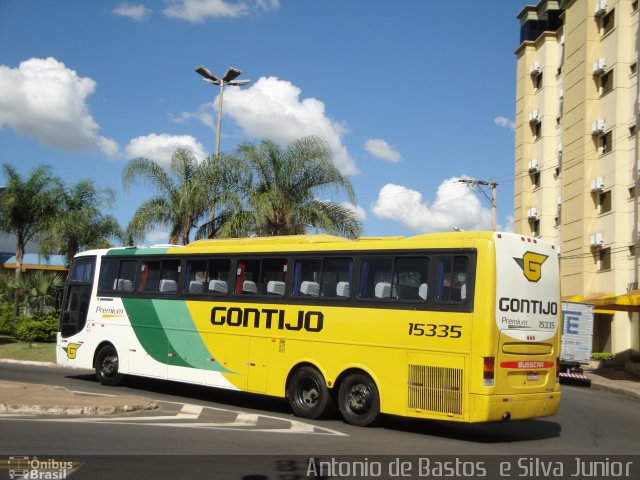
(459,326)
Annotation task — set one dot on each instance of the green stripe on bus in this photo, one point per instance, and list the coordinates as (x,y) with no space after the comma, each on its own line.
(183,336)
(165,327)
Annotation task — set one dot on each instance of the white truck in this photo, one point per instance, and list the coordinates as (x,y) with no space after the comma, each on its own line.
(576,340)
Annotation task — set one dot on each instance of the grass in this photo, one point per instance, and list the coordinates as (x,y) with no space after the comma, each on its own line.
(39,352)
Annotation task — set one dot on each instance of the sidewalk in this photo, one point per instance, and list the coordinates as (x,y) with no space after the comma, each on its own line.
(615,380)
(33,399)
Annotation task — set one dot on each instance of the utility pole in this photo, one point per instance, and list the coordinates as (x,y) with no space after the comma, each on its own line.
(493,201)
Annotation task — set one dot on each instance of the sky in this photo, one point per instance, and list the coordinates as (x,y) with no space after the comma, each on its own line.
(410,95)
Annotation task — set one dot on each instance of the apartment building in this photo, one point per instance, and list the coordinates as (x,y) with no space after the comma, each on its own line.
(576,163)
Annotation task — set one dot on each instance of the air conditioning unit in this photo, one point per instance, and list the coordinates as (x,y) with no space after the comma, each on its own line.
(533,116)
(532,213)
(596,240)
(599,65)
(533,166)
(601,150)
(597,126)
(600,8)
(535,68)
(597,184)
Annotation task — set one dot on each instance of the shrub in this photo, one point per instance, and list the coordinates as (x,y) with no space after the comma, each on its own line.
(8,322)
(41,327)
(602,356)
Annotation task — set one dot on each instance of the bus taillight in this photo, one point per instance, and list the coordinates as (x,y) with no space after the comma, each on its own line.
(488,370)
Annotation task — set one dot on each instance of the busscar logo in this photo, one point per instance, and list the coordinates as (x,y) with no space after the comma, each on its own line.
(531,265)
(71,350)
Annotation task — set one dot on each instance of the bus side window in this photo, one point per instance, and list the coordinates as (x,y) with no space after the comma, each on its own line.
(410,278)
(375,278)
(195,277)
(247,274)
(219,270)
(452,279)
(126,276)
(336,277)
(306,277)
(149,279)
(274,271)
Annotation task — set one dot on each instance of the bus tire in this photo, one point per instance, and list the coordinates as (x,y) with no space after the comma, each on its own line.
(107,364)
(308,394)
(359,400)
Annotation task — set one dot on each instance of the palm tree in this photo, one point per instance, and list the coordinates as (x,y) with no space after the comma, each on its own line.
(28,208)
(81,225)
(181,196)
(285,184)
(38,289)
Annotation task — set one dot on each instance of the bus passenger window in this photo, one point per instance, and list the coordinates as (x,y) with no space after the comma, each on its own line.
(452,279)
(195,277)
(126,275)
(336,277)
(149,280)
(169,276)
(272,280)
(247,274)
(219,270)
(375,278)
(410,278)
(306,277)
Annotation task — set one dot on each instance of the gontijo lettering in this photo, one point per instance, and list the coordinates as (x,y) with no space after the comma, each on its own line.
(310,321)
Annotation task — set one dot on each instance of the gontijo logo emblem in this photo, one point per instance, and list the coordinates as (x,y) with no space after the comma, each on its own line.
(71,350)
(531,265)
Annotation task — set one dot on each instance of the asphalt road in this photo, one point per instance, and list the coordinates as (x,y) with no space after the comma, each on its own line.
(230,429)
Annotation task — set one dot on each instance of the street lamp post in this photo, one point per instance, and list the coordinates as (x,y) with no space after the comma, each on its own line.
(230,79)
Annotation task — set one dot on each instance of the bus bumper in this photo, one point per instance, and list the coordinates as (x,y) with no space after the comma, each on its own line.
(496,408)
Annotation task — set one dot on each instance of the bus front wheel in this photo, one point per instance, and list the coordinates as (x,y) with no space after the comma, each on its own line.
(359,400)
(107,364)
(308,394)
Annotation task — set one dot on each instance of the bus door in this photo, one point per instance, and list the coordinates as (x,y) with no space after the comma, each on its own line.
(77,296)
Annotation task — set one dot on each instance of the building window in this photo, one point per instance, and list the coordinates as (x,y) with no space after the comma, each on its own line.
(632,193)
(605,143)
(607,22)
(604,259)
(535,227)
(606,82)
(634,6)
(632,130)
(604,202)
(536,129)
(537,81)
(535,180)
(633,68)
(632,252)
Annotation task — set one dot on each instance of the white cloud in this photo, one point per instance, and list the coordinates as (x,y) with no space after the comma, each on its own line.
(358,210)
(381,149)
(203,114)
(156,236)
(135,12)
(199,10)
(272,108)
(161,147)
(455,205)
(44,99)
(504,122)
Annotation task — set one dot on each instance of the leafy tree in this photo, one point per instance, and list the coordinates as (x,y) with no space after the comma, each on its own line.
(284,186)
(181,196)
(81,225)
(28,207)
(37,288)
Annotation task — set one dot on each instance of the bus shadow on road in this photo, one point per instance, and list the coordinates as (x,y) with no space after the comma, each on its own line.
(188,392)
(502,432)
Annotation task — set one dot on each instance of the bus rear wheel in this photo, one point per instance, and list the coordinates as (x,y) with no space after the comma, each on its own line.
(359,400)
(308,394)
(107,364)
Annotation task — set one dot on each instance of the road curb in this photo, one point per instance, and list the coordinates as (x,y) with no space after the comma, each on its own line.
(37,364)
(613,389)
(6,409)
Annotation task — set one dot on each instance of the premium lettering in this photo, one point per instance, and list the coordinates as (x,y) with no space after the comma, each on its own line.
(267,318)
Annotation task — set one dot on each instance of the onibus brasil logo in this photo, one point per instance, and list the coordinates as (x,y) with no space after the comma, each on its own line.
(531,265)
